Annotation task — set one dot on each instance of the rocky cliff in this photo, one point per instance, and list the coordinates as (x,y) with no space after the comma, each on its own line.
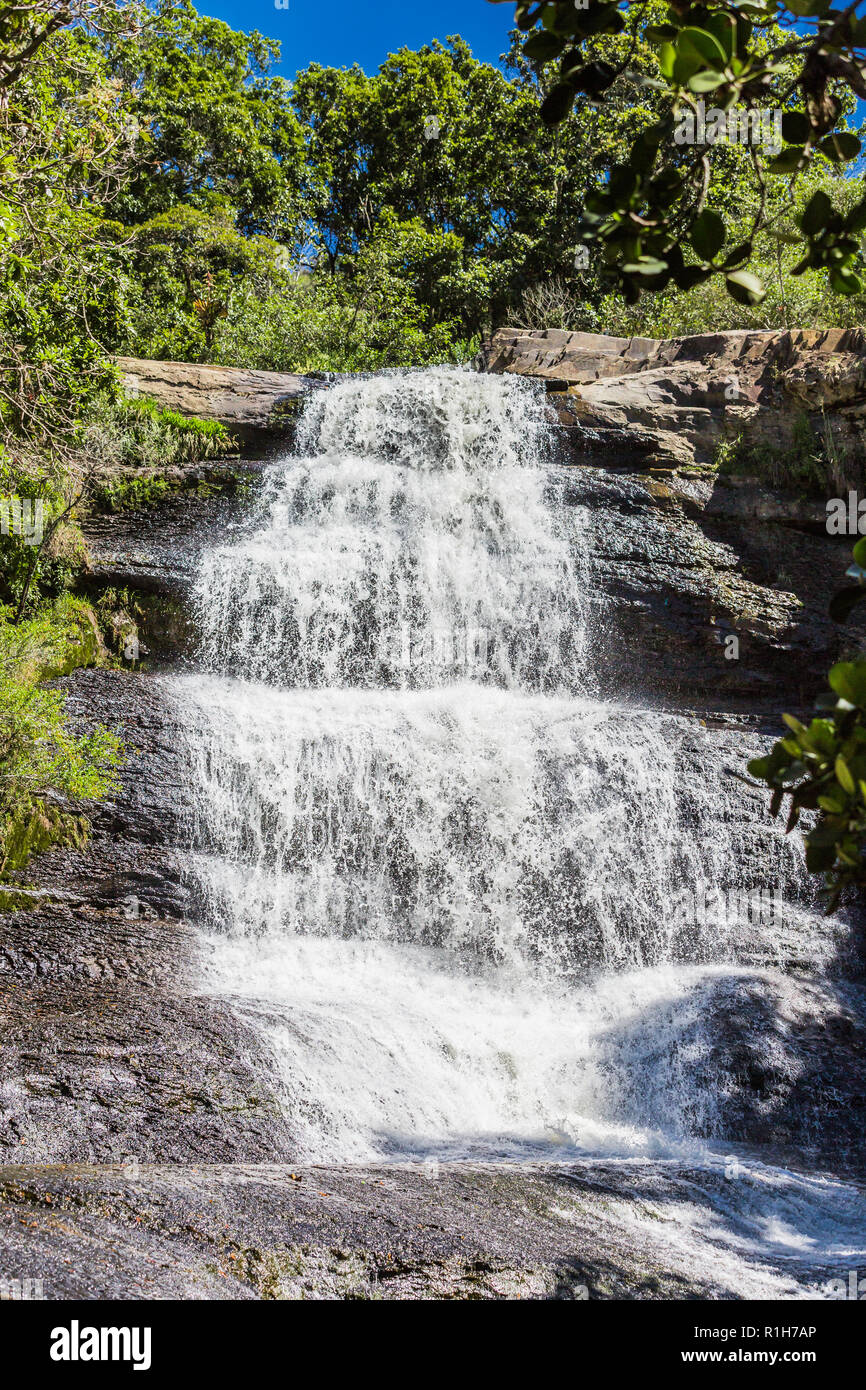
(675,401)
(256,406)
(710,461)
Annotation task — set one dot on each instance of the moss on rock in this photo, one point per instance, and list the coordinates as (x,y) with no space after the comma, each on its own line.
(35,825)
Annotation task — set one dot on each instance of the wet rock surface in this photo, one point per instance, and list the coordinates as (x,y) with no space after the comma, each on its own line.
(600,1231)
(111,1048)
(682,564)
(681,569)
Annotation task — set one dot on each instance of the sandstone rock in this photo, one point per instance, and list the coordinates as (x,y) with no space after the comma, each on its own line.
(679,397)
(683,548)
(250,403)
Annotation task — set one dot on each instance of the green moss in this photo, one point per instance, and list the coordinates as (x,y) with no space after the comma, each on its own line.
(126,492)
(16,900)
(34,826)
(39,753)
(133,494)
(64,638)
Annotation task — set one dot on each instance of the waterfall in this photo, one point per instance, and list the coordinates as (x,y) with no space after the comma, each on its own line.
(473,908)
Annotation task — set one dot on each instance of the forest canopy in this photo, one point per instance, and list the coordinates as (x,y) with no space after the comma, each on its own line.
(166,194)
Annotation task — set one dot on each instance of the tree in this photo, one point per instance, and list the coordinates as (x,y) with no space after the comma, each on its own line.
(64,152)
(26,26)
(215,131)
(437,136)
(782,90)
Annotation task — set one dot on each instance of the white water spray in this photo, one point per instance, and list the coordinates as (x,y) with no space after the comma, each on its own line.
(450,887)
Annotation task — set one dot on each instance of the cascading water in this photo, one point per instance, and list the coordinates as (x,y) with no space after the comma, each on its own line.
(474,910)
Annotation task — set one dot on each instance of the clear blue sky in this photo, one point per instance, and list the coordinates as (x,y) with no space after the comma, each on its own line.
(338,33)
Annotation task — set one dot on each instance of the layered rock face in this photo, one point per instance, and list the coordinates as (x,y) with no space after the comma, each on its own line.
(674,400)
(707,462)
(251,404)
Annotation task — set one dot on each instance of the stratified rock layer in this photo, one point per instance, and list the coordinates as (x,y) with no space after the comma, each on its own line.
(700,463)
(673,400)
(250,403)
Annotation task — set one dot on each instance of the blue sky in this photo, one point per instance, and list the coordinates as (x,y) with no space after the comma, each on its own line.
(338,33)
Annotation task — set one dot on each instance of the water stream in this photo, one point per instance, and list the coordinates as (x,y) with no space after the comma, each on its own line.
(474,910)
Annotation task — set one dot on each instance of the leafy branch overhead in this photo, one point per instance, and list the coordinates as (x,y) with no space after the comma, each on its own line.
(782,79)
(822,767)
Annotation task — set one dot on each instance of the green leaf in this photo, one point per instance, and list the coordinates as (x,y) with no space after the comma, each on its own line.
(687,276)
(745,287)
(557,103)
(666,59)
(816,213)
(708,234)
(795,127)
(542,46)
(705,45)
(819,858)
(759,767)
(685,66)
(842,603)
(706,81)
(601,19)
(843,776)
(848,679)
(792,723)
(844,282)
(840,147)
(724,28)
(789,160)
(593,78)
(647,265)
(738,256)
(860,553)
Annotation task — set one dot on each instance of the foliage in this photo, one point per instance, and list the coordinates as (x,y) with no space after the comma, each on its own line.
(441,138)
(63,151)
(27,27)
(656,218)
(374,314)
(822,767)
(213,130)
(810,461)
(39,754)
(139,433)
(847,599)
